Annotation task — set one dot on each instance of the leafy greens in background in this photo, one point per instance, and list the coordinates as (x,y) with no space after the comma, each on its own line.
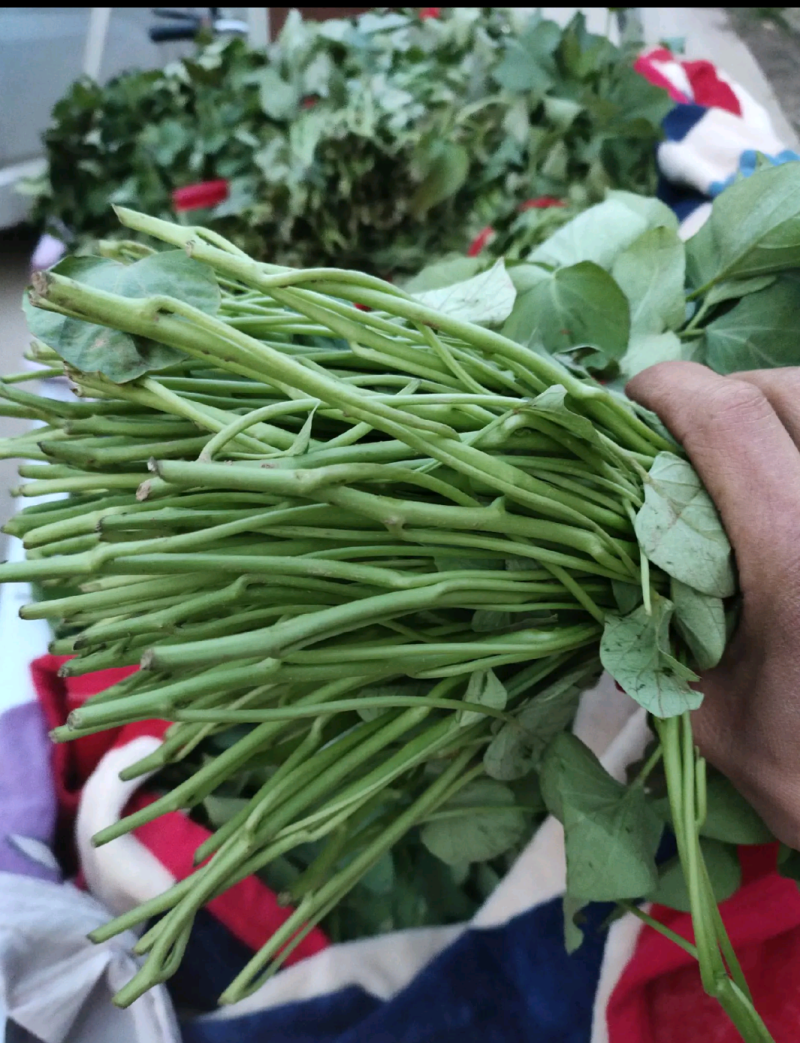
(380,142)
(615,290)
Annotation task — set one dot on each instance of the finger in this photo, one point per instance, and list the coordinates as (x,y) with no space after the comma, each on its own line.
(782,389)
(745,457)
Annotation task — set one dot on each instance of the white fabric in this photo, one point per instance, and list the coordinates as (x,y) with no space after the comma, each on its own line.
(620,945)
(56,984)
(711,150)
(122,873)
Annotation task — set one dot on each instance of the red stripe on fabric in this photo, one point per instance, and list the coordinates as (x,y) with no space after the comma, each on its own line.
(200,196)
(249,909)
(645,66)
(155,729)
(709,89)
(480,241)
(72,762)
(659,997)
(660,54)
(541,203)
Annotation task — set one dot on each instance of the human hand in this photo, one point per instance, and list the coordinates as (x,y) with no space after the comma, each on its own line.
(742,433)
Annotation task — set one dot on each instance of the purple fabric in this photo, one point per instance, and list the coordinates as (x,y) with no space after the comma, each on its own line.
(27,794)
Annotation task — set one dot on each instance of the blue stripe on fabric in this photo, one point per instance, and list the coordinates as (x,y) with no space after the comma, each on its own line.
(681,199)
(681,120)
(322,1019)
(747,166)
(499,985)
(212,959)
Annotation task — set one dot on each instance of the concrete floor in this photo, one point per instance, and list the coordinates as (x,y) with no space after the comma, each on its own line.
(776,48)
(709,32)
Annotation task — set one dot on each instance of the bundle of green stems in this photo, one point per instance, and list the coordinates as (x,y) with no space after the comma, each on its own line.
(356,540)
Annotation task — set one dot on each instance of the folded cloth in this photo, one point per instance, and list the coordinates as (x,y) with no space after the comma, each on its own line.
(55,985)
(505,976)
(27,797)
(143,864)
(713,134)
(48,252)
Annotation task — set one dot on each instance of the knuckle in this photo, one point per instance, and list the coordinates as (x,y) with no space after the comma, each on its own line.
(735,403)
(656,385)
(767,379)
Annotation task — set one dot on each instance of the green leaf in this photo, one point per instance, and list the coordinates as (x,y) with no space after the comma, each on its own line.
(650,348)
(519,72)
(518,747)
(446,172)
(573,932)
(562,112)
(679,529)
(165,140)
(380,879)
(485,621)
(635,651)
(46,326)
(278,98)
(626,595)
(789,863)
(730,817)
(654,212)
(526,276)
(755,225)
(578,306)
(724,870)
(528,63)
(700,619)
(305,135)
(445,273)
(555,405)
(485,688)
(760,332)
(486,298)
(651,274)
(639,106)
(556,163)
(221,809)
(733,289)
(599,235)
(121,356)
(481,822)
(611,834)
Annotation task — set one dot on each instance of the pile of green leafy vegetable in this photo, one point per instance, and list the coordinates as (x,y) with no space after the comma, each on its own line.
(378,142)
(369,558)
(616,290)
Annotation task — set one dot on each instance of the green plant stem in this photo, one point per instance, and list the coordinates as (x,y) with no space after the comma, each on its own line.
(662,929)
(243,983)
